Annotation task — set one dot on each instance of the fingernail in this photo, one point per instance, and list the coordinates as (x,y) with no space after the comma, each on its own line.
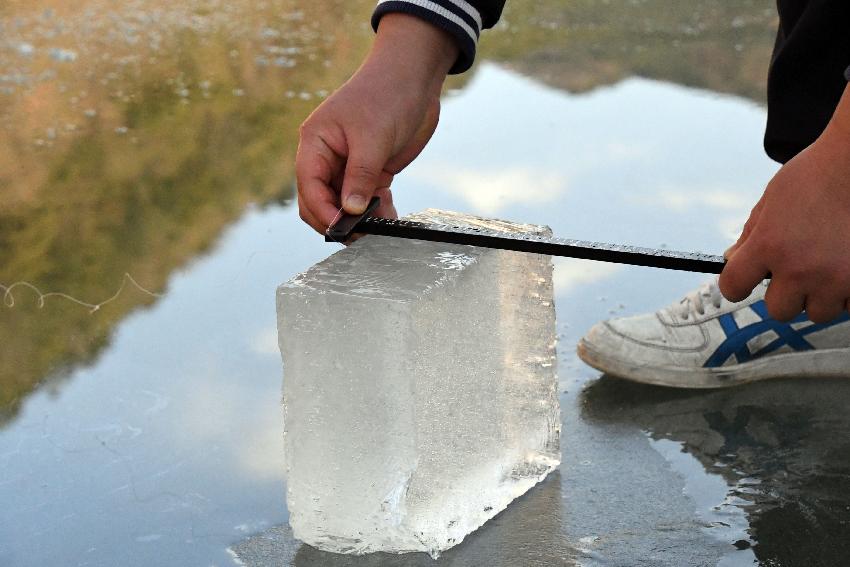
(355,204)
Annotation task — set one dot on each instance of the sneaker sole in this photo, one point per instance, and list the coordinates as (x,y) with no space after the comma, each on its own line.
(828,363)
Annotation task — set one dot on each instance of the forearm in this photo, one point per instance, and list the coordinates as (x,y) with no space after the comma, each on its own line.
(834,142)
(461,19)
(414,52)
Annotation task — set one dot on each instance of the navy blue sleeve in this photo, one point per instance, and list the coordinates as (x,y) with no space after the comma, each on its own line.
(464,19)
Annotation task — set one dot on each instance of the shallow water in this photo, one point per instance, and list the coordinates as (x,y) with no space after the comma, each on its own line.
(156,140)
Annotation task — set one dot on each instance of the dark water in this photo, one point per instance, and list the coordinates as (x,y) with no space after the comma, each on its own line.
(149,145)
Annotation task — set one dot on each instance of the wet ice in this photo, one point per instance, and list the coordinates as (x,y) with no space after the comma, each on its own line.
(419,389)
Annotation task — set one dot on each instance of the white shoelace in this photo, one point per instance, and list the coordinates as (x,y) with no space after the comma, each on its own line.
(696,301)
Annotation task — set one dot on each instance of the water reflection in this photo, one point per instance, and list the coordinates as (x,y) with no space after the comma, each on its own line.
(781,447)
(580,45)
(529,532)
(132,133)
(156,139)
(133,154)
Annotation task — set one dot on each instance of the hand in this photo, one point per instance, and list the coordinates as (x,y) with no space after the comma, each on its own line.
(799,232)
(353,144)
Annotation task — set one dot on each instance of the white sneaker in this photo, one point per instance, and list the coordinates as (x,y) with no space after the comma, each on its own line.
(704,341)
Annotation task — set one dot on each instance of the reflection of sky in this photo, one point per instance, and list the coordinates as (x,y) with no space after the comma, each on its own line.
(642,161)
(172,440)
(169,445)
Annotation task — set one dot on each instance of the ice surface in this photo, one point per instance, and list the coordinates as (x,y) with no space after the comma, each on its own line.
(420,395)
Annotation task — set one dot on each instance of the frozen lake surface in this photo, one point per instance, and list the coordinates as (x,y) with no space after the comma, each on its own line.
(157,141)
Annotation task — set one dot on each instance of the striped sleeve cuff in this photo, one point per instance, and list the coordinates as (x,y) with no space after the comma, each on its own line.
(457,17)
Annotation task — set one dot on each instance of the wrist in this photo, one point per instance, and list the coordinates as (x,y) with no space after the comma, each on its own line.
(837,132)
(829,156)
(417,53)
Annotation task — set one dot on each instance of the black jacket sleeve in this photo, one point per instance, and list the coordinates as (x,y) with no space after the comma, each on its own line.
(808,73)
(464,19)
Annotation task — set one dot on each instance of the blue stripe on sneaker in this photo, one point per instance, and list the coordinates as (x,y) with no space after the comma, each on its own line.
(730,328)
(814,328)
(737,338)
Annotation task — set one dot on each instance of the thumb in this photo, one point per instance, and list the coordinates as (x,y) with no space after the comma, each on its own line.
(363,174)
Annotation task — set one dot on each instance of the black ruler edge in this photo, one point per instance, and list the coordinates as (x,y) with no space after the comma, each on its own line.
(654,258)
(342,230)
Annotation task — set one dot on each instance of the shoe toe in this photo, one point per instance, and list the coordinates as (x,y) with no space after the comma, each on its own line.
(646,329)
(603,338)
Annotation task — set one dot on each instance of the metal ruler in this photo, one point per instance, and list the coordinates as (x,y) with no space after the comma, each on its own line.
(347,225)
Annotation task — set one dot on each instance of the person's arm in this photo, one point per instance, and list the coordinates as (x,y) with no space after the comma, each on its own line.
(799,231)
(463,19)
(373,126)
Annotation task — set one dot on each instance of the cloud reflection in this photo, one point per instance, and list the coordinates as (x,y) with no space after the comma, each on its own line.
(571,273)
(490,191)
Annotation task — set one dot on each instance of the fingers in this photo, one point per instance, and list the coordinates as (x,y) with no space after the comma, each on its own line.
(316,204)
(307,215)
(786,296)
(316,165)
(364,172)
(824,309)
(784,301)
(387,208)
(320,171)
(743,272)
(827,297)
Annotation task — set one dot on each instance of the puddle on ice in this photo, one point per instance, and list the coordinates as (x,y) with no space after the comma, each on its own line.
(715,502)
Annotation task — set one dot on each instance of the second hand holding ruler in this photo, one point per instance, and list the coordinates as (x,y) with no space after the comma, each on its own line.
(347,225)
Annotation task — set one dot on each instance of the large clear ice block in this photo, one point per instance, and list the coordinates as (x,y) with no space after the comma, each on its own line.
(420,395)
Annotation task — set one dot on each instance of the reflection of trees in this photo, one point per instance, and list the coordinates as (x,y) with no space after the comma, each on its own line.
(82,208)
(788,438)
(718,45)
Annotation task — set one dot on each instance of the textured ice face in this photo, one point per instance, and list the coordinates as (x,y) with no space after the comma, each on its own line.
(419,389)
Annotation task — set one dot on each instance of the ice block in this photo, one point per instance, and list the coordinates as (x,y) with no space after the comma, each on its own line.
(420,395)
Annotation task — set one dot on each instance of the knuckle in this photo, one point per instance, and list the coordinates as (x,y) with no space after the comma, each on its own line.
(305,129)
(769,247)
(796,275)
(363,169)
